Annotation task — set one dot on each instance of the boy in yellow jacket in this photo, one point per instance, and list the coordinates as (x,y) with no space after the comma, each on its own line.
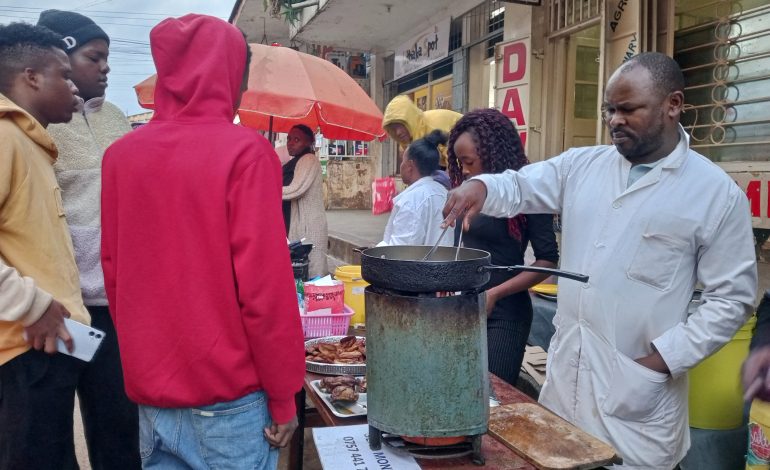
(405,122)
(39,284)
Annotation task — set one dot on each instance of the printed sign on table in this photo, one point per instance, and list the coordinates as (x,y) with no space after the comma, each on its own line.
(347,448)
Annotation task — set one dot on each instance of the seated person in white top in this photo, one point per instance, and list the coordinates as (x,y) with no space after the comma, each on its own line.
(416,217)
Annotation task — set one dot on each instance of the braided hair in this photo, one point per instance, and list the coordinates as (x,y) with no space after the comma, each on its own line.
(498,145)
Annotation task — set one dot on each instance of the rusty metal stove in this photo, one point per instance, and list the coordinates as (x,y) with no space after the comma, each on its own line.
(427,367)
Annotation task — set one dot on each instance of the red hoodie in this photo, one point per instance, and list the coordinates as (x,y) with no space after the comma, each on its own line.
(196,267)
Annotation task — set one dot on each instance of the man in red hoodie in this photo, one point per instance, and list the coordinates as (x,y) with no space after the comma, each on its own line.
(195,263)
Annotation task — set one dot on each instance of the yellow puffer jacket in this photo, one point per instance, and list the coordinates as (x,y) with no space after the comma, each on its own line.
(419,123)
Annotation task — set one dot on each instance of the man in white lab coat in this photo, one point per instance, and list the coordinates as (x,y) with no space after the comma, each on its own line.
(646,219)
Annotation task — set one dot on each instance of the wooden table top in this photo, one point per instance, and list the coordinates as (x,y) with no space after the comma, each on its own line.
(498,457)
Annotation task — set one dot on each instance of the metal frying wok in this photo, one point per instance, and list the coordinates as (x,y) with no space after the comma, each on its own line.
(401,268)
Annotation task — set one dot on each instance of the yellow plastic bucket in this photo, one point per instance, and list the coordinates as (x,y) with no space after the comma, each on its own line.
(716,397)
(354,292)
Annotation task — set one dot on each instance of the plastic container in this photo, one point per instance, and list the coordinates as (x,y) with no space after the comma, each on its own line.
(318,297)
(335,324)
(354,291)
(300,269)
(716,397)
(758,453)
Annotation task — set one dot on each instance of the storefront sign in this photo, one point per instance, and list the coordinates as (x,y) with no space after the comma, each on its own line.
(513,83)
(624,20)
(754,179)
(422,50)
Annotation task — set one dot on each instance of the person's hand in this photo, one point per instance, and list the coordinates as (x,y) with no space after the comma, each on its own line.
(279,435)
(468,199)
(654,362)
(43,333)
(492,297)
(755,374)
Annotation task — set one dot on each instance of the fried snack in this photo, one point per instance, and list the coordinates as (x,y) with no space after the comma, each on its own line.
(361,386)
(329,383)
(348,341)
(344,393)
(348,350)
(350,355)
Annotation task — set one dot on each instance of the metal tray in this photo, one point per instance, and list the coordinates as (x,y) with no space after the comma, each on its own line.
(342,409)
(333,369)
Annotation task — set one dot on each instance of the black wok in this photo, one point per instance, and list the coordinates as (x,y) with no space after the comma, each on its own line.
(401,268)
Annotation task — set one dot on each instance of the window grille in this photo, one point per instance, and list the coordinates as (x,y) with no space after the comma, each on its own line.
(723,48)
(571,14)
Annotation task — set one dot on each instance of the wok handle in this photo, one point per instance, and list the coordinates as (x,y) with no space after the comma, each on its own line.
(537,269)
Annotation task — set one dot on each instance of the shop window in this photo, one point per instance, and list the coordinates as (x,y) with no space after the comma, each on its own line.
(496,17)
(343,148)
(441,95)
(455,34)
(442,68)
(491,46)
(586,79)
(724,51)
(414,81)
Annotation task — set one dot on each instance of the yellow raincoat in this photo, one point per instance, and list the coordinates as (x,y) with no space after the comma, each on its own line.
(419,123)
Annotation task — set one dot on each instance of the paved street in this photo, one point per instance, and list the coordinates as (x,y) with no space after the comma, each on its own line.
(359,226)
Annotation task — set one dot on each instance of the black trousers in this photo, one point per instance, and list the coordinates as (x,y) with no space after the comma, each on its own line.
(110,420)
(37,396)
(507,336)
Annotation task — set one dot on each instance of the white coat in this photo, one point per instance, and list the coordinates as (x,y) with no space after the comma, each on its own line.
(644,248)
(416,217)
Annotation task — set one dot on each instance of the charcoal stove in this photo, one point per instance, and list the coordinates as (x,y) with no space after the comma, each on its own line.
(431,452)
(427,369)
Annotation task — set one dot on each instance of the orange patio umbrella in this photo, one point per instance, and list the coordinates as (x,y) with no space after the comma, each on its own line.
(287,87)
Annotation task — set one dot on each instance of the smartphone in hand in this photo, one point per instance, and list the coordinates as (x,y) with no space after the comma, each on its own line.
(85,340)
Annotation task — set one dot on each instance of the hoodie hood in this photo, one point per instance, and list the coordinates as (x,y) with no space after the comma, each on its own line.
(200,62)
(28,124)
(402,110)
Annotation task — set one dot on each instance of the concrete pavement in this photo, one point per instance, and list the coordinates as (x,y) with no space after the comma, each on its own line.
(352,229)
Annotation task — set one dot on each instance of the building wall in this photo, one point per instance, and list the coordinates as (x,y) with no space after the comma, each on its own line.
(348,184)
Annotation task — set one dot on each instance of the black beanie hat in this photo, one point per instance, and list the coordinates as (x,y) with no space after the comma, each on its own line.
(74,27)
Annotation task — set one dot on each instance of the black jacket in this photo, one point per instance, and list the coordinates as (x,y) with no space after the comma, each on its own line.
(762,331)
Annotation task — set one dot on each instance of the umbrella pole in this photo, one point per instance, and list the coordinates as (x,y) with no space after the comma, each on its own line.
(270,131)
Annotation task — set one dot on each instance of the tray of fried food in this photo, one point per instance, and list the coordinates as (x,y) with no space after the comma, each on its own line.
(344,395)
(343,387)
(336,355)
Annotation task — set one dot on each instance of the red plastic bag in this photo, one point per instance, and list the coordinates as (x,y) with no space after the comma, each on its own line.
(383,191)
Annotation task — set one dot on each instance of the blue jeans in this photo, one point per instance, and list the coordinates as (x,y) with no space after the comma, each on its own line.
(220,436)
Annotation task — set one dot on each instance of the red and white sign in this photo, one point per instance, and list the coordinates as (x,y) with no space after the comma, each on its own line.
(754,179)
(512,95)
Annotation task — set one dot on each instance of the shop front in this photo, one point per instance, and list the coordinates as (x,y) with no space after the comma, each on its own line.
(556,57)
(449,65)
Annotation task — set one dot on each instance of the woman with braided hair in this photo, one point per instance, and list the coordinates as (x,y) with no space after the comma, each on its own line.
(485,141)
